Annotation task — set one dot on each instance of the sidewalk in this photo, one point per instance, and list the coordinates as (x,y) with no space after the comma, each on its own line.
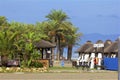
(73,69)
(60,76)
(66,64)
(80,71)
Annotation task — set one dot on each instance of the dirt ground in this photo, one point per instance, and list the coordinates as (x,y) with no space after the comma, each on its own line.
(60,76)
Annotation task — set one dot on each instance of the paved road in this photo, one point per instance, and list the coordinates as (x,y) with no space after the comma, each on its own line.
(60,76)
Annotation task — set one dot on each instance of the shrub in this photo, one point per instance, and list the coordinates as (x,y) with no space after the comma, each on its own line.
(36,64)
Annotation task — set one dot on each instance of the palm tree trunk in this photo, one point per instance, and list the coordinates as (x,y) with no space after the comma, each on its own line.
(4,60)
(69,52)
(53,50)
(58,48)
(61,52)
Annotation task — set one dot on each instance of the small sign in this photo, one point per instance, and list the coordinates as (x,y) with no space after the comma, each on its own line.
(98,45)
(101,45)
(95,45)
(48,51)
(62,63)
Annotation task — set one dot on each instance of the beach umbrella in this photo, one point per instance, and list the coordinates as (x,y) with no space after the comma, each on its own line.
(99,53)
(84,47)
(95,49)
(99,48)
(90,49)
(113,48)
(83,57)
(107,44)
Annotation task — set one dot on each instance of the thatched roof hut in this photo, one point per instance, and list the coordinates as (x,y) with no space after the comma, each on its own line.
(44,44)
(90,49)
(107,44)
(113,48)
(84,47)
(93,49)
(99,42)
(99,49)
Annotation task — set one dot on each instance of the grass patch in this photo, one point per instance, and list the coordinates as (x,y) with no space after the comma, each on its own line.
(62,68)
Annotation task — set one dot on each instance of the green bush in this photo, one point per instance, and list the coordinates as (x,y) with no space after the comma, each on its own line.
(36,64)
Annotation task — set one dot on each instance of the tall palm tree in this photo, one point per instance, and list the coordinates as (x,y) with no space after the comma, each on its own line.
(63,31)
(58,17)
(72,38)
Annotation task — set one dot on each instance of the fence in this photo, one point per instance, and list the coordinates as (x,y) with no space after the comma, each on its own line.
(111,63)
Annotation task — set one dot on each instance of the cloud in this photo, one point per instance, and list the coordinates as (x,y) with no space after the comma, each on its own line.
(109,16)
(100,15)
(114,16)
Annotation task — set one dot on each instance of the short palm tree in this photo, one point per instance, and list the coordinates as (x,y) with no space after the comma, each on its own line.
(7,43)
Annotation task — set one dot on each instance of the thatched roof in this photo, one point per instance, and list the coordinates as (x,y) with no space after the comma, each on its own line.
(107,44)
(112,48)
(99,42)
(84,47)
(99,49)
(44,44)
(93,49)
(90,49)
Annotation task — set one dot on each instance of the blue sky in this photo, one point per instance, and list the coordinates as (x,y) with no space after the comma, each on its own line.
(91,16)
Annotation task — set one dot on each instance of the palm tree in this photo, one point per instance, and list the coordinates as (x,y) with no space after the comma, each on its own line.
(3,21)
(7,42)
(71,40)
(28,34)
(63,31)
(58,17)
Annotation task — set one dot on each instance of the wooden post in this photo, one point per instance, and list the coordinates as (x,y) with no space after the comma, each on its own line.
(119,58)
(42,53)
